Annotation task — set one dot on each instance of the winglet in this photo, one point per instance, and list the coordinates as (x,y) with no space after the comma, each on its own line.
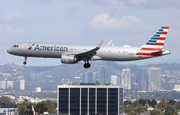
(100,44)
(110,43)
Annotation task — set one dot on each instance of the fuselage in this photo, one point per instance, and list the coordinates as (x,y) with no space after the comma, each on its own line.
(50,50)
(71,54)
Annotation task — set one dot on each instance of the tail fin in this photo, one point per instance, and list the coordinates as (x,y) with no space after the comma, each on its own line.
(155,44)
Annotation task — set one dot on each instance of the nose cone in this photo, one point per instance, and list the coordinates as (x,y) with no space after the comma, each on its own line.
(9,51)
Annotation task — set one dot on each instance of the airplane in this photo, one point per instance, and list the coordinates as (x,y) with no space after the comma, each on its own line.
(71,54)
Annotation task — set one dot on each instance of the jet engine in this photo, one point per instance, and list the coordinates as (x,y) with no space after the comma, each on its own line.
(68,59)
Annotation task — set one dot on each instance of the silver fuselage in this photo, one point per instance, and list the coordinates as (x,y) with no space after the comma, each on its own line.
(49,50)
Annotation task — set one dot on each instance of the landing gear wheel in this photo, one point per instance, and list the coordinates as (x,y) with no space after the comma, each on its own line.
(25,58)
(24,63)
(87,65)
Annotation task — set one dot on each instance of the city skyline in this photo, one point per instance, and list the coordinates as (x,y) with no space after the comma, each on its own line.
(42,80)
(138,79)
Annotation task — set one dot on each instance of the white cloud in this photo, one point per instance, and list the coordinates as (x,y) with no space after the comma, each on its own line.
(104,21)
(13,16)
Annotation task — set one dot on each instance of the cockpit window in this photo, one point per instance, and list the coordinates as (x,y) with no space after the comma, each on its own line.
(15,46)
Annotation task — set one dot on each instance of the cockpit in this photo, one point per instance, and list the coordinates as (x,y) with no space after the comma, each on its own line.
(16,46)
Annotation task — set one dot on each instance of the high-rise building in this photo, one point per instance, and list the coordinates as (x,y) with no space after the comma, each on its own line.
(105,75)
(10,84)
(126,78)
(142,79)
(114,79)
(90,99)
(88,77)
(2,84)
(154,79)
(118,81)
(22,84)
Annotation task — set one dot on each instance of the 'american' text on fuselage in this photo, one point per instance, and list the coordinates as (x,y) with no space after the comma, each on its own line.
(51,48)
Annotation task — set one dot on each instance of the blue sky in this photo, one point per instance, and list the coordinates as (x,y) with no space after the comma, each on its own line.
(127,22)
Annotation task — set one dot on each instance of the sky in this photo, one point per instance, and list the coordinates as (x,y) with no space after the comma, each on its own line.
(127,22)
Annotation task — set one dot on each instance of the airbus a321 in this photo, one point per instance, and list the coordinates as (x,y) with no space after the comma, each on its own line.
(71,54)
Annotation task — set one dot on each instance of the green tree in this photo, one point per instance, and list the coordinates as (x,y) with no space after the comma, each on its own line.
(177,105)
(46,106)
(155,112)
(140,109)
(129,109)
(135,103)
(142,102)
(8,101)
(24,108)
(51,106)
(170,110)
(152,103)
(127,102)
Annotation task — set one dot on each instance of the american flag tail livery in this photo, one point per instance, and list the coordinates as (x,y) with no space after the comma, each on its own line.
(154,47)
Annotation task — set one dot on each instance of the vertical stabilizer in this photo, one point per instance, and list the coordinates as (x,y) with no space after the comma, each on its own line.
(155,44)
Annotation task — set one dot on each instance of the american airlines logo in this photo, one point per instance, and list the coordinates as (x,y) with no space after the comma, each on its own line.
(31,46)
(51,48)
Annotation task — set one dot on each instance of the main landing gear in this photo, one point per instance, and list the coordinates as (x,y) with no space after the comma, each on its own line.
(25,61)
(87,64)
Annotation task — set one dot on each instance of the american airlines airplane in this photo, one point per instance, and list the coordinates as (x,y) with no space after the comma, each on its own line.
(71,54)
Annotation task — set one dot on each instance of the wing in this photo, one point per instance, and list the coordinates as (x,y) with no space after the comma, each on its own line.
(89,54)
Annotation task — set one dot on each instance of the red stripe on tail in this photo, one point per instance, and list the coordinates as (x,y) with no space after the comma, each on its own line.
(151,49)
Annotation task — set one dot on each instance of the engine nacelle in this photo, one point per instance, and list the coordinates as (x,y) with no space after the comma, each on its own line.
(68,59)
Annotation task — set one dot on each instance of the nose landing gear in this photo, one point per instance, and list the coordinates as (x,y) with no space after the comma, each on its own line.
(25,61)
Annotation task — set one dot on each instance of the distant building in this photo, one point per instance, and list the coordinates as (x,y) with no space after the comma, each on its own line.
(10,84)
(105,75)
(118,81)
(88,77)
(176,87)
(22,84)
(2,84)
(154,79)
(90,99)
(114,79)
(142,79)
(9,111)
(38,89)
(126,78)
(134,86)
